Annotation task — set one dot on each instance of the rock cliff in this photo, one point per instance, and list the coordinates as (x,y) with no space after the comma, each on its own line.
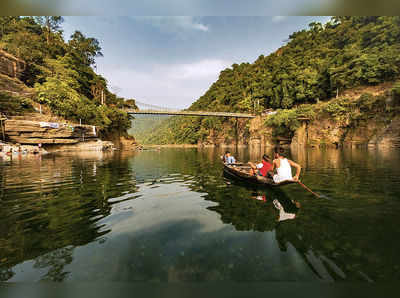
(328,132)
(374,122)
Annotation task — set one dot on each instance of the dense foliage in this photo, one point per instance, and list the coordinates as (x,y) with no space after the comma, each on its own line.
(315,65)
(61,71)
(176,130)
(345,52)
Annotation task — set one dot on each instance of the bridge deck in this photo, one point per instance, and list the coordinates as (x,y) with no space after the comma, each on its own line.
(190,113)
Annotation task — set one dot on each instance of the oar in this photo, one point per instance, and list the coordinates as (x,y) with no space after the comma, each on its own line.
(306,188)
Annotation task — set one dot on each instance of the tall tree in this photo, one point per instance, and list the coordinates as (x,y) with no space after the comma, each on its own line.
(52,24)
(84,48)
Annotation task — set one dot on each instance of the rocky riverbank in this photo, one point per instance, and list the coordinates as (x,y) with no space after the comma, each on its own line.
(47,133)
(25,136)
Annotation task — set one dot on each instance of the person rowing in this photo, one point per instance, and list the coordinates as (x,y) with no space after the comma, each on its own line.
(283,167)
(263,168)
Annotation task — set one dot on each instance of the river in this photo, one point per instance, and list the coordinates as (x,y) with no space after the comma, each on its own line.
(170,215)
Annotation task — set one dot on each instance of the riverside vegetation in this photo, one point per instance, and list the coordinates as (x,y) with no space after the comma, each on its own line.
(59,74)
(300,79)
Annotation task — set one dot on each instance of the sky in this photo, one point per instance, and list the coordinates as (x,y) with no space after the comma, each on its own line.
(172,61)
(171,7)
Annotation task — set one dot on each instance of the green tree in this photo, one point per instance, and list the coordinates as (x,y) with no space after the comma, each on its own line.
(61,72)
(52,24)
(85,49)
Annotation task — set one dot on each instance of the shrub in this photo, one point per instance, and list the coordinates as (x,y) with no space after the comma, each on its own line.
(396,92)
(369,103)
(14,105)
(306,111)
(284,121)
(335,108)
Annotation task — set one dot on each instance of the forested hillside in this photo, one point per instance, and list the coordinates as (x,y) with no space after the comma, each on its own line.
(316,64)
(144,125)
(61,72)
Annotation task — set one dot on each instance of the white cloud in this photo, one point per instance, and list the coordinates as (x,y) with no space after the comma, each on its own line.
(169,85)
(176,23)
(198,70)
(278,19)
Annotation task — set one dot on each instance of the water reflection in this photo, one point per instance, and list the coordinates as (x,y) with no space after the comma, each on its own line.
(172,216)
(49,204)
(288,210)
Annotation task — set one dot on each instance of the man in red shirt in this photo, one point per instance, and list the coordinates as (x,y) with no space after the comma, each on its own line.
(263,168)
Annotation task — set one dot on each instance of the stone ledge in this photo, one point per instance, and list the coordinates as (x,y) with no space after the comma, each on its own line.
(30,132)
(21,140)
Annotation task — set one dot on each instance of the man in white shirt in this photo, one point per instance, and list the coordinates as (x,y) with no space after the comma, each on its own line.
(283,167)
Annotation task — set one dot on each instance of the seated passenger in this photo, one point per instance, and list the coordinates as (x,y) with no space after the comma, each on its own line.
(228,158)
(264,168)
(283,167)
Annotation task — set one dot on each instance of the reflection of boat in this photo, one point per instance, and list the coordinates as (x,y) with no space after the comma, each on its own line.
(241,172)
(289,212)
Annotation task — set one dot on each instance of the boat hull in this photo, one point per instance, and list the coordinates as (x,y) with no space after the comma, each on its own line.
(241,173)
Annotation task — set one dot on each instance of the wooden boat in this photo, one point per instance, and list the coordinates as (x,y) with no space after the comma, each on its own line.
(241,172)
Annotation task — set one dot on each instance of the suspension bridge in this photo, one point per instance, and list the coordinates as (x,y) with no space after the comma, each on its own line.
(147,109)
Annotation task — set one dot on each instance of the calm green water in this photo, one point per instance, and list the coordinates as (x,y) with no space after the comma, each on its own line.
(172,216)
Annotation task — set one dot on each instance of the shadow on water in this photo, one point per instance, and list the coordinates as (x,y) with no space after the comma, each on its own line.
(172,216)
